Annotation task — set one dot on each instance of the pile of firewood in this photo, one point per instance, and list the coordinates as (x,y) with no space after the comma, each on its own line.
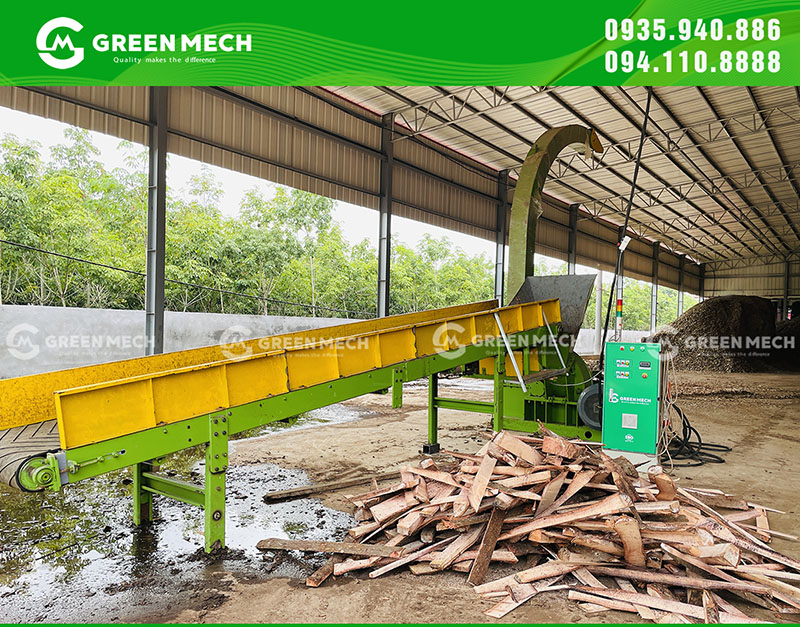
(582,522)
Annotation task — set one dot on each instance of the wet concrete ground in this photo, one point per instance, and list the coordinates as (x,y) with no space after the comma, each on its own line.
(75,555)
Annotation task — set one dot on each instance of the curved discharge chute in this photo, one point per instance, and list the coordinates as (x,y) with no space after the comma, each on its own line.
(525,209)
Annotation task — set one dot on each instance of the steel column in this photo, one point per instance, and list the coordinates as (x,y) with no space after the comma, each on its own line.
(500,235)
(573,239)
(654,289)
(385,217)
(156,222)
(598,313)
(681,277)
(786,278)
(702,287)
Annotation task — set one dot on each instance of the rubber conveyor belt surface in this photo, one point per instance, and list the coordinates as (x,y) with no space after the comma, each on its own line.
(20,443)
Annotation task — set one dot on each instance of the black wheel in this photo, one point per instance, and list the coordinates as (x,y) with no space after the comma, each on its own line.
(590,407)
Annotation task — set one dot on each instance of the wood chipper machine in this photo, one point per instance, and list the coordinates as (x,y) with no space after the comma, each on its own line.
(62,427)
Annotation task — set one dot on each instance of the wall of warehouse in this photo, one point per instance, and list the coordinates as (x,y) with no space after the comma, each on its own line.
(757,279)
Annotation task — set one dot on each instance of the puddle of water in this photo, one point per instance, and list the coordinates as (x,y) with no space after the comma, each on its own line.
(75,555)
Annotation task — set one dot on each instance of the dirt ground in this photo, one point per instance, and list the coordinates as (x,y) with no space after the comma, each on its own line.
(755,414)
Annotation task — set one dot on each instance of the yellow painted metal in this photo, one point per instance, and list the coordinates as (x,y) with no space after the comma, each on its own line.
(105,410)
(28,400)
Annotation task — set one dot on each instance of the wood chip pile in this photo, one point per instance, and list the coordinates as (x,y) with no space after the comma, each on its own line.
(574,520)
(705,335)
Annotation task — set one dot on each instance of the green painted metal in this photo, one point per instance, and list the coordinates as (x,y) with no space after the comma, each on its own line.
(433,409)
(481,407)
(39,472)
(141,448)
(182,491)
(526,206)
(499,398)
(631,391)
(397,386)
(216,471)
(528,426)
(142,498)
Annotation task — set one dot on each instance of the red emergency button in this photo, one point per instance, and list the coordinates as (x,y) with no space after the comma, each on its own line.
(622,348)
(644,375)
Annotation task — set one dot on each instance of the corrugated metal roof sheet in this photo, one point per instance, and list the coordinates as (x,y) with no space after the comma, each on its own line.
(717,180)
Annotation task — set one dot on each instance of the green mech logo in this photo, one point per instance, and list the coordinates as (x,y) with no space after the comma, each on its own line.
(52,38)
(59,43)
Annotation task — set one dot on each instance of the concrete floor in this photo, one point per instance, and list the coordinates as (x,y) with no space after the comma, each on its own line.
(755,414)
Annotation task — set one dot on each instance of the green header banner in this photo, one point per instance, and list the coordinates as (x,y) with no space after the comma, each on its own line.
(651,42)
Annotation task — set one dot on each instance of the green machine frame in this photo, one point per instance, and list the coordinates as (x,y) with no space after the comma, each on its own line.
(143,450)
(550,394)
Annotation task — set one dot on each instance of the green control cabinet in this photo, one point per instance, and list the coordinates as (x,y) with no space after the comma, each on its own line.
(632,389)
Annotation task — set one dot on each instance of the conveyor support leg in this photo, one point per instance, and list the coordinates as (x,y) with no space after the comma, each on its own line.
(216,470)
(432,446)
(499,375)
(142,499)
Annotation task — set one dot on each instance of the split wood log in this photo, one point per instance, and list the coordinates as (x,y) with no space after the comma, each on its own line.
(318,546)
(711,609)
(598,543)
(389,508)
(508,604)
(611,604)
(487,546)
(725,534)
(628,531)
(676,580)
(478,489)
(724,554)
(664,483)
(546,570)
(407,559)
(560,446)
(611,504)
(517,447)
(645,612)
(578,482)
(762,526)
(296,493)
(666,605)
(550,492)
(457,547)
(436,475)
(315,579)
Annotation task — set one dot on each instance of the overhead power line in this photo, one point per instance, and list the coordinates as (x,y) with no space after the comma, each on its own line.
(188,284)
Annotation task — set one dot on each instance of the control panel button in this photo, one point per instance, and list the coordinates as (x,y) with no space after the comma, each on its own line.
(644,375)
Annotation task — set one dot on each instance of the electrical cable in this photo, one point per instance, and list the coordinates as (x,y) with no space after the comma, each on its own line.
(687,445)
(185,283)
(683,447)
(624,230)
